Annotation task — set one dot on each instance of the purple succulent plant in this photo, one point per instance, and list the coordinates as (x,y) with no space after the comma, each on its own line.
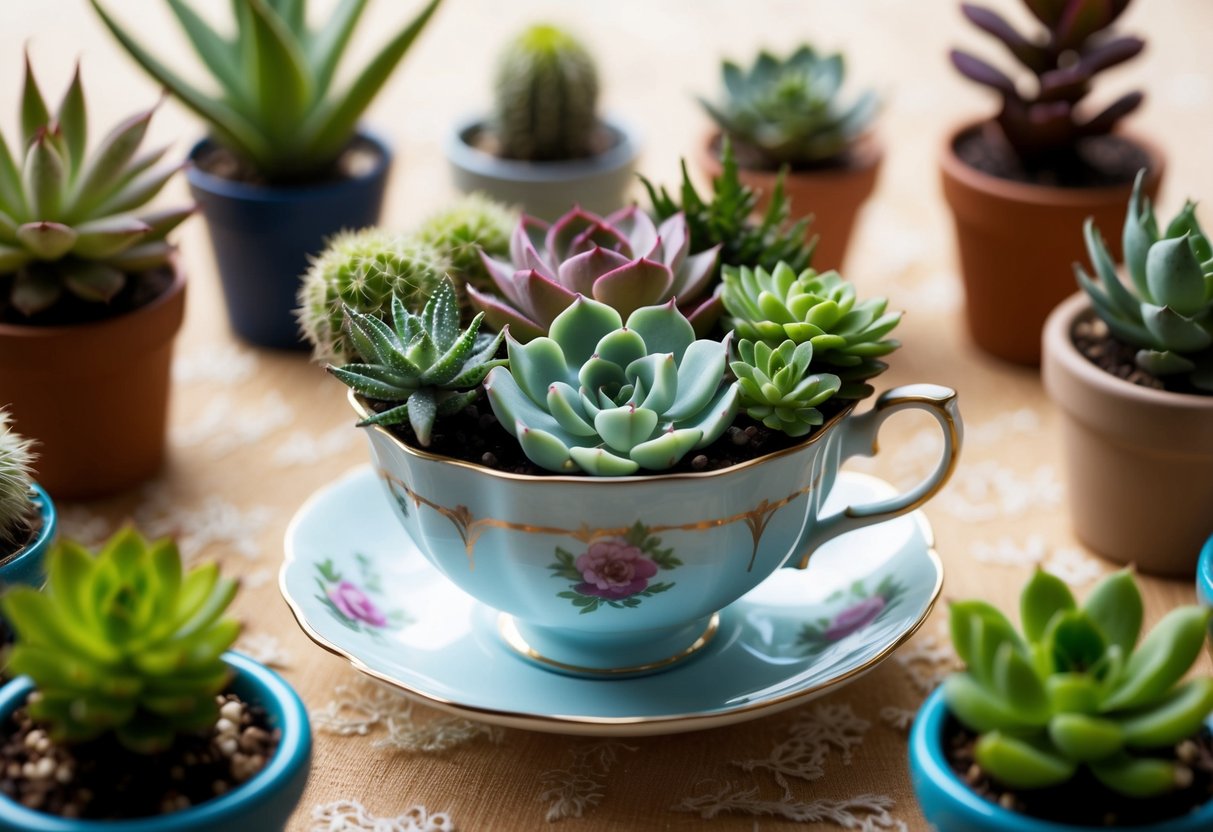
(1044,128)
(624,261)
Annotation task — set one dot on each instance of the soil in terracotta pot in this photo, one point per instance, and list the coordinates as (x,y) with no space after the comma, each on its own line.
(1099,161)
(358,159)
(141,289)
(1095,342)
(103,780)
(1084,801)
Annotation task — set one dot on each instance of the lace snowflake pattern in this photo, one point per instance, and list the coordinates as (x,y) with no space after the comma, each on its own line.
(360,709)
(1071,565)
(570,791)
(899,719)
(352,816)
(986,491)
(927,660)
(864,812)
(810,740)
(219,363)
(266,649)
(303,448)
(225,427)
(215,522)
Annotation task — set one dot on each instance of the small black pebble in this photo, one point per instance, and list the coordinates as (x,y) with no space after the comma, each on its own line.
(699,462)
(489,458)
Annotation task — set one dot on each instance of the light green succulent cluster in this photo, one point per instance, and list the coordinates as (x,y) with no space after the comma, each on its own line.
(16,507)
(363,270)
(422,363)
(277,105)
(610,399)
(72,222)
(127,642)
(1077,689)
(789,110)
(848,335)
(1167,312)
(461,232)
(546,101)
(777,387)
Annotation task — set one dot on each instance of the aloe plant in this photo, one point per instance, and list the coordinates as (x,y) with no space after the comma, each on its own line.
(1076,688)
(279,106)
(16,484)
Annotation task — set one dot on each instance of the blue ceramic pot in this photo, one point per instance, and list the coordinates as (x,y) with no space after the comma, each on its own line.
(951,806)
(28,567)
(1204,575)
(261,804)
(263,237)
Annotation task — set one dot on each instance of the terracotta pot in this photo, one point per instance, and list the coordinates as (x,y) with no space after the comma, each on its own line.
(1139,461)
(1018,244)
(94,396)
(833,196)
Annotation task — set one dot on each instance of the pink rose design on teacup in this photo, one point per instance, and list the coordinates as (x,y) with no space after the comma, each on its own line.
(613,569)
(854,618)
(355,605)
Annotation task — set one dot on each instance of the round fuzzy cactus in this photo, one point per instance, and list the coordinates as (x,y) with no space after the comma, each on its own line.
(546,97)
(15,484)
(471,225)
(363,270)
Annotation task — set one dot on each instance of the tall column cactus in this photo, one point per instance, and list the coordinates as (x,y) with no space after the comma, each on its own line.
(546,97)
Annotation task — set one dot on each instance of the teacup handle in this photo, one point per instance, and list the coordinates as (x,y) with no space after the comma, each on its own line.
(859,439)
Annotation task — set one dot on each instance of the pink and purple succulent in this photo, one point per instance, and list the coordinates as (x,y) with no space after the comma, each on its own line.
(623,260)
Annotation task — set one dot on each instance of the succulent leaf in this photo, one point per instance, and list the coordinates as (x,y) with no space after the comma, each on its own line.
(1021,764)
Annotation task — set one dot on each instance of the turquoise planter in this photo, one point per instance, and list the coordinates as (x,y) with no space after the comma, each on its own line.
(951,806)
(28,566)
(262,804)
(1204,575)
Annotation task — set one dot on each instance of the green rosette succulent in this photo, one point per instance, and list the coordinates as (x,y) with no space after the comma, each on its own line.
(1167,311)
(127,642)
(16,482)
(423,362)
(848,335)
(74,223)
(1076,688)
(777,388)
(599,396)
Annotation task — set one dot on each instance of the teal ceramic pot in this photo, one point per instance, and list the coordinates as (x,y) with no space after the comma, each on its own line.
(28,566)
(1204,574)
(261,804)
(951,806)
(644,562)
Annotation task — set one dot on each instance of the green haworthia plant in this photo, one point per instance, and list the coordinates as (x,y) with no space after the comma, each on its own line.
(727,220)
(363,271)
(278,106)
(471,228)
(74,223)
(790,110)
(422,363)
(1077,689)
(545,108)
(126,642)
(610,399)
(848,335)
(777,387)
(16,482)
(1167,310)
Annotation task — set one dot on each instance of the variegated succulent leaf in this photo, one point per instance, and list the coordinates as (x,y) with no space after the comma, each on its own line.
(1079,687)
(777,388)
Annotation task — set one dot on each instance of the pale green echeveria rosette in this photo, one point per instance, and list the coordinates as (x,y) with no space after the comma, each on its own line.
(610,399)
(1167,312)
(777,388)
(848,335)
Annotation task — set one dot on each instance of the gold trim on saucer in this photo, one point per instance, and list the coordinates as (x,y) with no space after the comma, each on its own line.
(507,626)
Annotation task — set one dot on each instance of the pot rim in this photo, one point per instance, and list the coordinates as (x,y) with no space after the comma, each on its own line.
(293,752)
(1026,192)
(866,153)
(461,153)
(50,522)
(926,753)
(232,189)
(1204,573)
(586,479)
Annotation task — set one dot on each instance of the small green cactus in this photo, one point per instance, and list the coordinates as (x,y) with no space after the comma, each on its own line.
(363,270)
(777,388)
(423,362)
(472,225)
(125,642)
(1077,689)
(546,97)
(16,507)
(598,396)
(1168,311)
(848,335)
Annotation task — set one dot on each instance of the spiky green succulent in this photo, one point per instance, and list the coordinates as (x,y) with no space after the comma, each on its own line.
(789,110)
(727,219)
(423,364)
(126,642)
(599,396)
(16,482)
(1167,310)
(777,387)
(848,335)
(278,107)
(470,226)
(363,270)
(71,222)
(545,106)
(1076,689)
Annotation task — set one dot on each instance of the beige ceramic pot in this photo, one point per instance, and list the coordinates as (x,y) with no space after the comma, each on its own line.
(1018,244)
(833,196)
(1139,461)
